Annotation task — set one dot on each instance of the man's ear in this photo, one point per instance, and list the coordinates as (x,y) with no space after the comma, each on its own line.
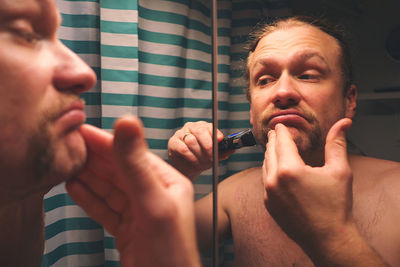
(351,101)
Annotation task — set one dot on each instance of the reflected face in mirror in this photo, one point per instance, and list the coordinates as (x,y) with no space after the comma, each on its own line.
(295,79)
(40,110)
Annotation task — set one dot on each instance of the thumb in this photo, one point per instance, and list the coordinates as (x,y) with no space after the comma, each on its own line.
(130,150)
(336,145)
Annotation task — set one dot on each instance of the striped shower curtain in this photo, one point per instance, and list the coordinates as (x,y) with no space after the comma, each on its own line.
(153,60)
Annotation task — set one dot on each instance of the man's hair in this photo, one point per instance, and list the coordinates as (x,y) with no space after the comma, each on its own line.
(336,31)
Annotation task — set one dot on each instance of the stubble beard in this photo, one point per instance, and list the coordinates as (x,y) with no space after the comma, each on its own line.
(310,146)
(41,155)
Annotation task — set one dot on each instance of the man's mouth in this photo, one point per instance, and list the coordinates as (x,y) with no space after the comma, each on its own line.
(288,117)
(72,117)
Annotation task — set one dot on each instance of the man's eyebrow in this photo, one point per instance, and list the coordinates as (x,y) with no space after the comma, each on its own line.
(303,56)
(33,10)
(9,12)
(49,17)
(264,61)
(299,58)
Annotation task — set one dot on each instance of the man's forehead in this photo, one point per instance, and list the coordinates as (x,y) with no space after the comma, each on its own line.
(303,42)
(43,13)
(293,35)
(16,7)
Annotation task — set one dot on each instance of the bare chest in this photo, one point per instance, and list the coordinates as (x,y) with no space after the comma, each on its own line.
(259,241)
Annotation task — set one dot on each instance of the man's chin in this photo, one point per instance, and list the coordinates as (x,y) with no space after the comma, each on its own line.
(309,146)
(298,136)
(69,157)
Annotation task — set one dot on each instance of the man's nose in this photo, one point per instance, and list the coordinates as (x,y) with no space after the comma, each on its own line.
(72,74)
(286,93)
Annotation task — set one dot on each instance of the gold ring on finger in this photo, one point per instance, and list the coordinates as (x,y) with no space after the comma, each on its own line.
(185,135)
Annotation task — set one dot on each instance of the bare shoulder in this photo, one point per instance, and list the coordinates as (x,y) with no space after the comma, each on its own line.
(374,167)
(373,173)
(240,178)
(376,209)
(239,183)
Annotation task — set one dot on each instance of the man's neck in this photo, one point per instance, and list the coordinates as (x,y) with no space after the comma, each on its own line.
(22,238)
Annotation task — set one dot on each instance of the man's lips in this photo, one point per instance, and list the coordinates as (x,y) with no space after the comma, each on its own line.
(286,117)
(72,116)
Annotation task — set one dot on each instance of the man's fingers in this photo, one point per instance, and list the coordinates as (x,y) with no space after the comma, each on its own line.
(177,148)
(131,153)
(270,161)
(226,154)
(335,148)
(198,137)
(191,141)
(100,166)
(203,135)
(97,140)
(104,189)
(94,206)
(286,149)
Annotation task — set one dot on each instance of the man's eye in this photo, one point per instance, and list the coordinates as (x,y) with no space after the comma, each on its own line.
(264,81)
(27,36)
(30,37)
(308,77)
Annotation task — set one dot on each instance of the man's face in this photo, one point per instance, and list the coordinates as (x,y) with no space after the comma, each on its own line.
(40,111)
(295,79)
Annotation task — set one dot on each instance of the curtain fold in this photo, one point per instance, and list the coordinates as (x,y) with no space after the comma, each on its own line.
(153,60)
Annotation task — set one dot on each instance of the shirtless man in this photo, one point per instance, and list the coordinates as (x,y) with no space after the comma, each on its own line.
(40,146)
(311,203)
(40,112)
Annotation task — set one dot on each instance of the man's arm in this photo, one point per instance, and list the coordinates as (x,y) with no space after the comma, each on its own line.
(317,202)
(190,152)
(141,200)
(204,221)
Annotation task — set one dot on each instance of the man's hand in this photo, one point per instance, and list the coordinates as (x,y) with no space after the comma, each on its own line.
(190,148)
(141,200)
(313,206)
(308,202)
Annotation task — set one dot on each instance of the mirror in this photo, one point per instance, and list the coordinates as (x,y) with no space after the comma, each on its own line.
(170,85)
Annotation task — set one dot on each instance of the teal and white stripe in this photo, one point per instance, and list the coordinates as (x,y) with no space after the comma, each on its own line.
(153,59)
